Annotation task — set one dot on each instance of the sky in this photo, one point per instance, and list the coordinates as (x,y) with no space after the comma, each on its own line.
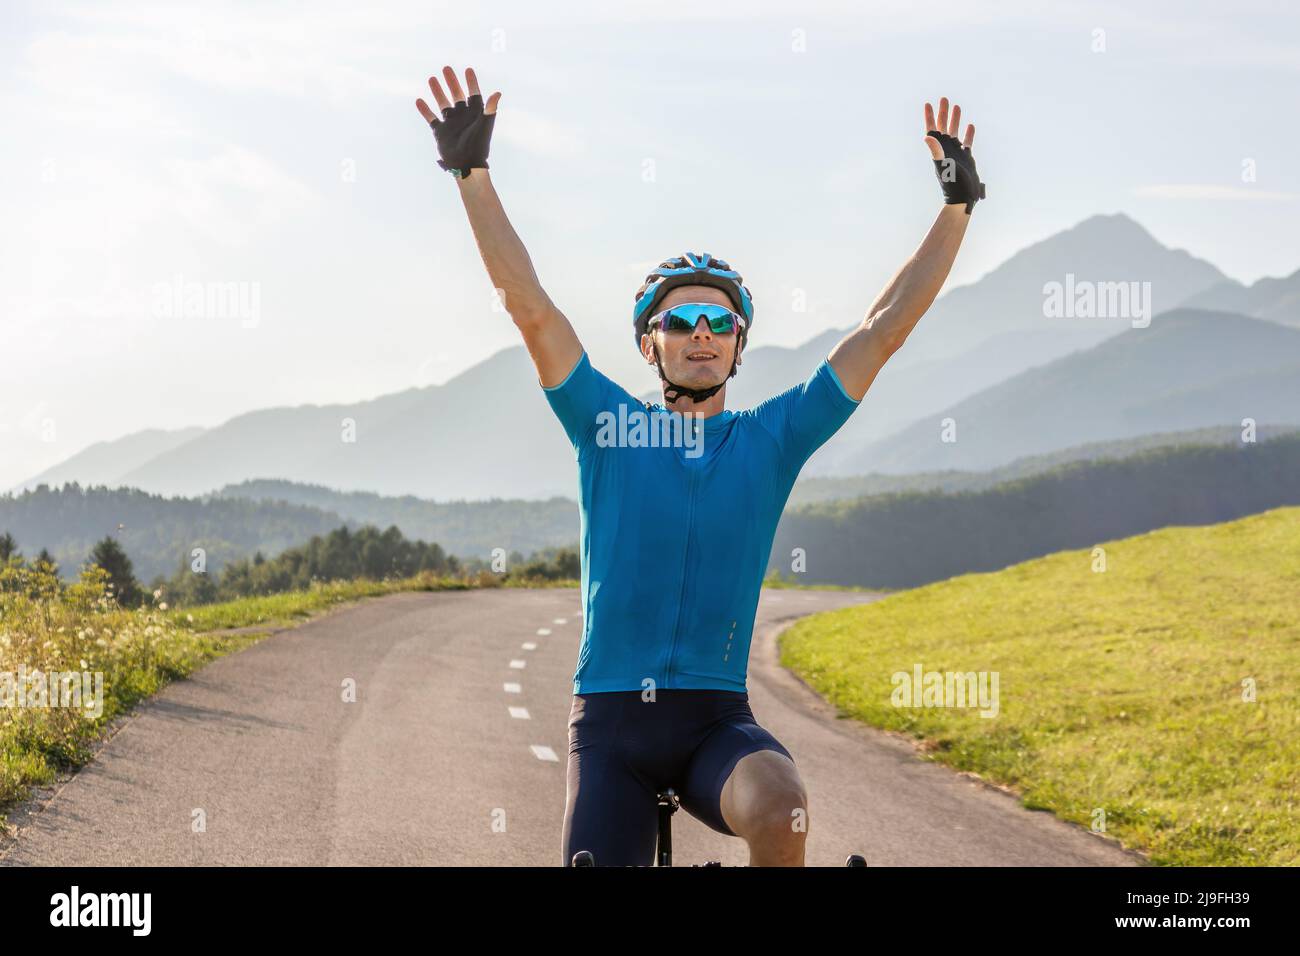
(213,208)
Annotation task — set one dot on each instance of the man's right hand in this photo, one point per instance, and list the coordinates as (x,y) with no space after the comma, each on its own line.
(464,130)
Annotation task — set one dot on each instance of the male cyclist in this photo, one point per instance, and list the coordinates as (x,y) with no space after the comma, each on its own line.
(676,534)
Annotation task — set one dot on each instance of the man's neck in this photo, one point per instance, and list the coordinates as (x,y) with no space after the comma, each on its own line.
(715,404)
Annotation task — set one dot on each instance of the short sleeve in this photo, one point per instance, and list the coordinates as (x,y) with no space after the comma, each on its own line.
(805,417)
(577,401)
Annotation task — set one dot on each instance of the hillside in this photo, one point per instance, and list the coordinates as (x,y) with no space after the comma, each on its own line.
(465,528)
(1189,369)
(910,539)
(157,533)
(1277,300)
(1163,690)
(269,516)
(105,462)
(813,490)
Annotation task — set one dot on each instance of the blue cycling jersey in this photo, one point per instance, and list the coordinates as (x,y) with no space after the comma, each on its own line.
(678,516)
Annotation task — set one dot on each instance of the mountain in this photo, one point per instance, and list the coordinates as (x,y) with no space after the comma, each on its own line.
(106,462)
(1191,368)
(977,335)
(490,433)
(1277,300)
(1100,249)
(486,433)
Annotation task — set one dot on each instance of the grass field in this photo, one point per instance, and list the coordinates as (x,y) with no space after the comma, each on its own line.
(1123,691)
(778,581)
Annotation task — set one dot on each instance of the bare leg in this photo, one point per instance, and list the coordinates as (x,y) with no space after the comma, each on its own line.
(765,803)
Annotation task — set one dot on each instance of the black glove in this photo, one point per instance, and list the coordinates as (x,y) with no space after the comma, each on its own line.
(463,135)
(956,171)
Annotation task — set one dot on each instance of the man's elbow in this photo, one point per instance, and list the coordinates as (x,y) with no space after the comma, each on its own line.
(529,317)
(884,334)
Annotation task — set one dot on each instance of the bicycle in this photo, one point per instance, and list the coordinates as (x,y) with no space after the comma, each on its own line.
(668,804)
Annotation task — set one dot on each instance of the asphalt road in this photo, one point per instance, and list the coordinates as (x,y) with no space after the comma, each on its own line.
(453,753)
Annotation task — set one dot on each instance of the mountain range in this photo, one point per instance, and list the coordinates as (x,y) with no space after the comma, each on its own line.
(1016,381)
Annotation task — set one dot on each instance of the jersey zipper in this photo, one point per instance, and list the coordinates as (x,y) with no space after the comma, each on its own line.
(686,553)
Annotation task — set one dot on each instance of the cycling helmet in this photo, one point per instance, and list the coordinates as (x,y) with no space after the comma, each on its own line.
(691,269)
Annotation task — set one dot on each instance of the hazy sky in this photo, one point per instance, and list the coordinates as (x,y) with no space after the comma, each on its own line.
(274,149)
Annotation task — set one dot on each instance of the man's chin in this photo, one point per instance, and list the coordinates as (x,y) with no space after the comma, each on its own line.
(702,374)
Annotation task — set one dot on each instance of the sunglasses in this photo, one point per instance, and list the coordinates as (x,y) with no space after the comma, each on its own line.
(682,318)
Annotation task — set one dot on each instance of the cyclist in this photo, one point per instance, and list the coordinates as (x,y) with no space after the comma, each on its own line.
(676,533)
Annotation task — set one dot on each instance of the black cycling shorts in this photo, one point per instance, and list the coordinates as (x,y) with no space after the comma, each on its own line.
(624,751)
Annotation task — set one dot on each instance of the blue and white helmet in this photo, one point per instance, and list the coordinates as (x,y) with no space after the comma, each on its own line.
(690,269)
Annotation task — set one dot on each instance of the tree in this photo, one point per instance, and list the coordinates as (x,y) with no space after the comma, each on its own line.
(108,554)
(47,559)
(189,588)
(8,549)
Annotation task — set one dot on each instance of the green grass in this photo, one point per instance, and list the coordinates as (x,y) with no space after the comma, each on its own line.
(292,606)
(775,580)
(1120,690)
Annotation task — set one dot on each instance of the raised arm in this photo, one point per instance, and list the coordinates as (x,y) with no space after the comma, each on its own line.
(860,355)
(463,133)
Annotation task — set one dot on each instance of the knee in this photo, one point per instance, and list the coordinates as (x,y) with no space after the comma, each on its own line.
(778,815)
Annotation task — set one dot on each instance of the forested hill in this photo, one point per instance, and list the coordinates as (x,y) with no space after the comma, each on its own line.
(909,539)
(158,533)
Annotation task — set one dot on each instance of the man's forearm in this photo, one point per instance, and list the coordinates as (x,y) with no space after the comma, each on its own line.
(899,306)
(507,261)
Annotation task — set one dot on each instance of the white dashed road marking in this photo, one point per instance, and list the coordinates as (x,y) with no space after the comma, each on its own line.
(513,688)
(520,713)
(561,620)
(544,753)
(529,646)
(518,665)
(543,631)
